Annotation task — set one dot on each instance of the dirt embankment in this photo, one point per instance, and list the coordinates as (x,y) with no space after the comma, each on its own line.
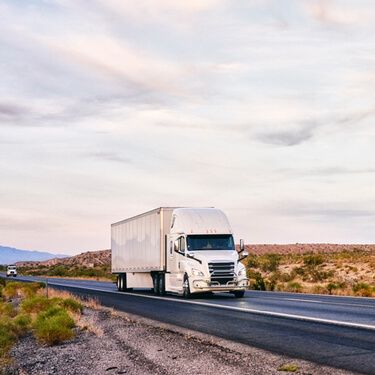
(132,345)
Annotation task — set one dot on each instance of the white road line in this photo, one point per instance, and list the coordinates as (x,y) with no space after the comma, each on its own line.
(324,302)
(242,309)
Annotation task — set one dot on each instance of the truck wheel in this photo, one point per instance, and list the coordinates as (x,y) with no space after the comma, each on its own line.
(161,282)
(186,287)
(239,293)
(121,282)
(155,280)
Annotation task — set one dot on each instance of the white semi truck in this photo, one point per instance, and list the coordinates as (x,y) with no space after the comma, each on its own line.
(11,271)
(178,250)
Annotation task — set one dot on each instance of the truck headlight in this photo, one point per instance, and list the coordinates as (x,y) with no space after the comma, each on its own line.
(242,272)
(196,272)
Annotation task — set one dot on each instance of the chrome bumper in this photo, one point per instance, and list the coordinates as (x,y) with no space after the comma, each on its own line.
(208,285)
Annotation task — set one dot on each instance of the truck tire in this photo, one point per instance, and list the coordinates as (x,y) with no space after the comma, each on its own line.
(155,280)
(186,287)
(121,282)
(239,293)
(161,282)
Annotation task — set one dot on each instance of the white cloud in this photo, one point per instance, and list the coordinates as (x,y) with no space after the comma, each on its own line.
(110,109)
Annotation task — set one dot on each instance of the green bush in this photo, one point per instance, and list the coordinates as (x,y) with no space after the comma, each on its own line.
(36,304)
(12,289)
(257,281)
(54,326)
(7,310)
(295,287)
(7,336)
(313,260)
(22,323)
(269,262)
(363,290)
(252,261)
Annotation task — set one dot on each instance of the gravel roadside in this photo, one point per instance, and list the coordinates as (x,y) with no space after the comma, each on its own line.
(117,343)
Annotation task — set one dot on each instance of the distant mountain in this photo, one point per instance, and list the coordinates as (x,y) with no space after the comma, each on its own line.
(10,255)
(88,259)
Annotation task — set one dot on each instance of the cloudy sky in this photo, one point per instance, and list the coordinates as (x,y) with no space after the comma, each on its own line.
(109,108)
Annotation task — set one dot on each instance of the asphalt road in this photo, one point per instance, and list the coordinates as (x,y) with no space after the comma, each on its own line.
(334,331)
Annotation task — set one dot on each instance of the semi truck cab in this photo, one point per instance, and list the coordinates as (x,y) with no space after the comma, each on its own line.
(201,254)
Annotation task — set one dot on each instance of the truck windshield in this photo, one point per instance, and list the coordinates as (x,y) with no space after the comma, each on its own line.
(210,242)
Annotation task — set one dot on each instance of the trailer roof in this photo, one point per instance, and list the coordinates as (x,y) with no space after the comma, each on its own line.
(158,209)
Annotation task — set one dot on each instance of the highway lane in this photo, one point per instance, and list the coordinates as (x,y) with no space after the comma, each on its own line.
(339,309)
(349,348)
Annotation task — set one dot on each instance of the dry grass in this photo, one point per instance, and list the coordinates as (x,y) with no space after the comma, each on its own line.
(82,321)
(338,273)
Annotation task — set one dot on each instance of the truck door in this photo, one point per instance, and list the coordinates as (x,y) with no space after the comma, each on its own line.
(176,250)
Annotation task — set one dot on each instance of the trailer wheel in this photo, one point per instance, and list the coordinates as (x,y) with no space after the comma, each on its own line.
(161,282)
(155,280)
(186,287)
(121,282)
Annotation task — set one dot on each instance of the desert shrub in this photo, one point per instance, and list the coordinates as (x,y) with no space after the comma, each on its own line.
(320,289)
(288,367)
(30,289)
(58,271)
(22,323)
(286,277)
(72,305)
(269,262)
(271,283)
(363,289)
(313,260)
(12,289)
(257,281)
(252,261)
(54,326)
(316,275)
(295,287)
(36,304)
(332,286)
(7,310)
(300,271)
(7,336)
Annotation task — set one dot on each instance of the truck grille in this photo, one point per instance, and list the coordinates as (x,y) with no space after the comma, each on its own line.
(221,272)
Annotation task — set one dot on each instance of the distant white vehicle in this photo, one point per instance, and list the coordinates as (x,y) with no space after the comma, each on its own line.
(178,250)
(11,271)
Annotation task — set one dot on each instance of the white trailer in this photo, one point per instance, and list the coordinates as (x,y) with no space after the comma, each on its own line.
(178,250)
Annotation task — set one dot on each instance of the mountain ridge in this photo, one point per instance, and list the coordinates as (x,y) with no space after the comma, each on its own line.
(10,255)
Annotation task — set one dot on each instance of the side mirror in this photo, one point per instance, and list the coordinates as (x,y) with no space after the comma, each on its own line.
(242,245)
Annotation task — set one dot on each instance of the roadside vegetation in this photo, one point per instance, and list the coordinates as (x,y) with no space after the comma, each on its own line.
(26,309)
(102,272)
(338,273)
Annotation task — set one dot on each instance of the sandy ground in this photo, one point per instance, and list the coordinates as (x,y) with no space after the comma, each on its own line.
(115,343)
